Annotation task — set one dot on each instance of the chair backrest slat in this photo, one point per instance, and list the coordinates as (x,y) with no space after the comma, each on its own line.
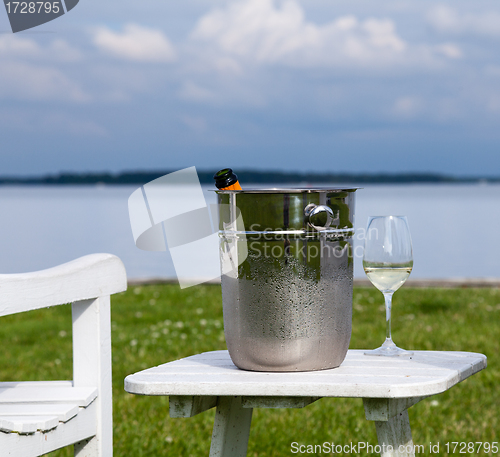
(88,277)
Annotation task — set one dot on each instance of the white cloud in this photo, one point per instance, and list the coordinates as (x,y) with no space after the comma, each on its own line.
(135,43)
(11,45)
(33,71)
(407,107)
(227,65)
(197,124)
(27,121)
(193,91)
(57,50)
(493,104)
(74,125)
(448,20)
(492,71)
(262,31)
(450,50)
(19,80)
(62,51)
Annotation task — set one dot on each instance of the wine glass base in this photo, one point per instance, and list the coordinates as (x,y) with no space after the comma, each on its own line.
(389,349)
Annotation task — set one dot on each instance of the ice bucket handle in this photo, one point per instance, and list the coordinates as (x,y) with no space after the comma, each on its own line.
(318,216)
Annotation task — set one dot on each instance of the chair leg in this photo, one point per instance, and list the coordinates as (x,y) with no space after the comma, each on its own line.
(87,448)
(231,428)
(92,367)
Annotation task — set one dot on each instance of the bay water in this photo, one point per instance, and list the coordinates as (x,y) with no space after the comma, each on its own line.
(454,227)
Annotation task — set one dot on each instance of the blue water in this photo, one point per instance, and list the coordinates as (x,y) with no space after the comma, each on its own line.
(454,227)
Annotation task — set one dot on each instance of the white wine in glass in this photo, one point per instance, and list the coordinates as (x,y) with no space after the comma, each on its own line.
(388,261)
(387,278)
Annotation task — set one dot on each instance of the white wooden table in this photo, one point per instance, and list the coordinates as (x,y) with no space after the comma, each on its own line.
(388,386)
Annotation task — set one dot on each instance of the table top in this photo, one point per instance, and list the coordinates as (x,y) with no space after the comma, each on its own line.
(213,373)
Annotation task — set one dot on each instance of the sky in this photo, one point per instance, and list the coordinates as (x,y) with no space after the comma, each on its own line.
(289,85)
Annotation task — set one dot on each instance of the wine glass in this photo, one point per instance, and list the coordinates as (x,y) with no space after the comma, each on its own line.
(388,261)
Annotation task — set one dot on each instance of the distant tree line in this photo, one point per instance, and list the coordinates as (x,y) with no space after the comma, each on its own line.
(246,177)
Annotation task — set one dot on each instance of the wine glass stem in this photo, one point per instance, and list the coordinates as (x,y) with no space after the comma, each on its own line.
(388,309)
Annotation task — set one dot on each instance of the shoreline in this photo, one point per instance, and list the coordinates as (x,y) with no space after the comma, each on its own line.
(444,283)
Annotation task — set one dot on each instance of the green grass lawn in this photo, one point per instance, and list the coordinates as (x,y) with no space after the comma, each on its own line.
(155,324)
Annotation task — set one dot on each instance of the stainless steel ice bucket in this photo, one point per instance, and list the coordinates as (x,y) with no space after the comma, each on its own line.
(287,277)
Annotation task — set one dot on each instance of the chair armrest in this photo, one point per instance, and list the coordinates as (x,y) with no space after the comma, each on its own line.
(91,276)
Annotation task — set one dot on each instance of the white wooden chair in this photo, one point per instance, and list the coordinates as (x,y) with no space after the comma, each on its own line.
(39,417)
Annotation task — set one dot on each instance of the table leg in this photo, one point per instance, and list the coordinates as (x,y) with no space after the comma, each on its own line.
(394,436)
(231,428)
(392,423)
